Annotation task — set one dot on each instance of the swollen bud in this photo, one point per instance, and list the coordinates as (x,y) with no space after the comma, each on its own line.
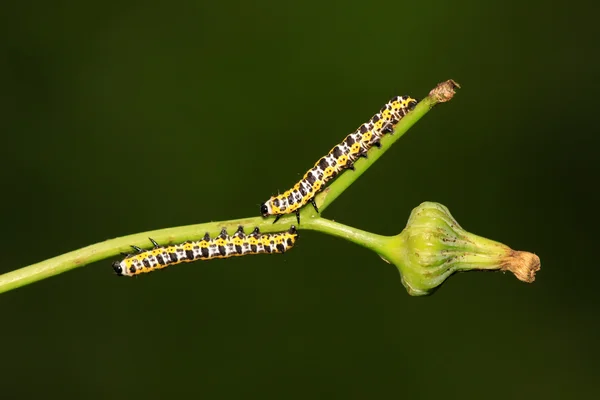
(433,246)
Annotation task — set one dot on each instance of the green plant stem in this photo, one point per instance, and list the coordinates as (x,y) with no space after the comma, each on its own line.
(366,239)
(327,197)
(309,218)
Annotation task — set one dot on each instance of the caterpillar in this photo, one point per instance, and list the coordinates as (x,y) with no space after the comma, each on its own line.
(222,246)
(341,157)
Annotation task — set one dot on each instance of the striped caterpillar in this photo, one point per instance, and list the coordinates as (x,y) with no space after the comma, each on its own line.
(341,157)
(222,246)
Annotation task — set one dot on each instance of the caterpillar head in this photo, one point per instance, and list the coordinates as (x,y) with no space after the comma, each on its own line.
(266,209)
(118,268)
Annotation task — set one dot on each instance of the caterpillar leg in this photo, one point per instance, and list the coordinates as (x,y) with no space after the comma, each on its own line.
(297,216)
(389,128)
(314,204)
(377,144)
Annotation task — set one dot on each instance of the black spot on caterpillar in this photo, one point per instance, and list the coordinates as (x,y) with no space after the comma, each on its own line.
(341,157)
(222,246)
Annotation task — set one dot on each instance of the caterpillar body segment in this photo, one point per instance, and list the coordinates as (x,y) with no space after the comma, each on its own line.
(341,157)
(222,246)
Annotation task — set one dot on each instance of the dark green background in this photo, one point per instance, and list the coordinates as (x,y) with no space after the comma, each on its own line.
(121,117)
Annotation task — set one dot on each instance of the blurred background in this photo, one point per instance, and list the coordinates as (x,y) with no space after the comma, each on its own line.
(121,117)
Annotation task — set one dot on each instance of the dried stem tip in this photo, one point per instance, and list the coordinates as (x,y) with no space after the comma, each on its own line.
(523,264)
(444,91)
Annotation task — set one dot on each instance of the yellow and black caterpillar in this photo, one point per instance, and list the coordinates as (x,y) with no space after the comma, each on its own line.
(340,158)
(222,246)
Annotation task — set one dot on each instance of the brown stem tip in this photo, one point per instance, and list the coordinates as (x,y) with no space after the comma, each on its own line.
(444,91)
(523,264)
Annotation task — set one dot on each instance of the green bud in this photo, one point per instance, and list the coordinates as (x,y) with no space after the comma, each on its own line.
(433,246)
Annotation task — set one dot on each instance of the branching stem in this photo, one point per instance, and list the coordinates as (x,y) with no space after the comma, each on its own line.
(309,218)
